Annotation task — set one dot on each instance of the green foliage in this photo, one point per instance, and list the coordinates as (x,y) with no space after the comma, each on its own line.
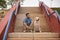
(58,9)
(12,2)
(22,0)
(3,3)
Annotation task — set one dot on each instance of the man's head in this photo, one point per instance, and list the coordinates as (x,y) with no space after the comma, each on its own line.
(28,15)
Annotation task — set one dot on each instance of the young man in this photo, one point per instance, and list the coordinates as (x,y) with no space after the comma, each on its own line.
(27,23)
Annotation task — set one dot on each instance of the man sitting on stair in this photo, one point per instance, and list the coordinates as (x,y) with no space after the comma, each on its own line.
(27,23)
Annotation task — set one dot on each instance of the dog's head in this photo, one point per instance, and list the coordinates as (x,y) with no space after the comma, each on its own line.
(37,19)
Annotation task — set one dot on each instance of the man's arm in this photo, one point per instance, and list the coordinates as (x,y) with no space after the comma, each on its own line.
(24,23)
(26,26)
(31,24)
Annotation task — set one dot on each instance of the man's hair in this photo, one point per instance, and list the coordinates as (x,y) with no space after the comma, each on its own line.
(27,14)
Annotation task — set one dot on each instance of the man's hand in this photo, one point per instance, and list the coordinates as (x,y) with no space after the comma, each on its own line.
(28,28)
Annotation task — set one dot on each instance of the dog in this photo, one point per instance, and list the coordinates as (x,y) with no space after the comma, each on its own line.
(37,27)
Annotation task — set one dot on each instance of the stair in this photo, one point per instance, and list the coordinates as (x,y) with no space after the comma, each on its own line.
(33,36)
(34,12)
(18,33)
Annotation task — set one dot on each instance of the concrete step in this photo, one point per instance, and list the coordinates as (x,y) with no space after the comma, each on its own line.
(33,39)
(43,28)
(34,12)
(19,22)
(35,35)
(29,9)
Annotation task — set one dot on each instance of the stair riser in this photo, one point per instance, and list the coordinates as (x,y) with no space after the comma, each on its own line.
(29,9)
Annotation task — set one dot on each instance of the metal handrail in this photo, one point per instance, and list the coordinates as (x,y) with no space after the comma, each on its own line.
(58,16)
(8,24)
(17,7)
(46,9)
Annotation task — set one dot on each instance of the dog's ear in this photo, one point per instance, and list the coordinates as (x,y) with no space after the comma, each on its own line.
(36,18)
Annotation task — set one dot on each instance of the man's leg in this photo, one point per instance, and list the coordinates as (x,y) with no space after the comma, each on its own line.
(26,30)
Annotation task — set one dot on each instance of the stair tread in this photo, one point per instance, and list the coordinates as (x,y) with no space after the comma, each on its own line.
(34,39)
(41,35)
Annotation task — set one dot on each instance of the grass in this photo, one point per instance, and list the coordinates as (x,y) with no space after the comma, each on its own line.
(58,9)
